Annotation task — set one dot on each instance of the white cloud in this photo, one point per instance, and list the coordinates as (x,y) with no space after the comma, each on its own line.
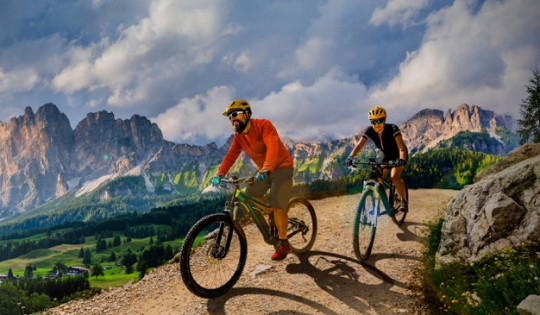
(313,67)
(242,63)
(312,53)
(174,33)
(483,58)
(196,119)
(20,80)
(397,12)
(334,105)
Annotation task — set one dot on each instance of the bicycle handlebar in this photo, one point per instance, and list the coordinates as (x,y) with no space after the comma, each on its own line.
(233,180)
(388,164)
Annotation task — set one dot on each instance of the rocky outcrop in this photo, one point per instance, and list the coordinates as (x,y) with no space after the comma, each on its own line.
(34,157)
(43,158)
(502,210)
(429,127)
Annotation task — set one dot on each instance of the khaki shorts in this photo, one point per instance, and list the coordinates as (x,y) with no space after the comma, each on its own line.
(280,183)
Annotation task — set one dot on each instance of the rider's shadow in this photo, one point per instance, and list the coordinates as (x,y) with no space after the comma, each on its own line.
(217,305)
(336,275)
(412,231)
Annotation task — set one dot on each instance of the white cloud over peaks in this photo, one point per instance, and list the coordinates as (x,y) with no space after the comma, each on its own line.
(197,119)
(18,81)
(397,12)
(482,58)
(174,35)
(334,105)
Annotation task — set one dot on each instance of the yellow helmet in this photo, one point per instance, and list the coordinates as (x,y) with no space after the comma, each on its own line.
(237,105)
(377,113)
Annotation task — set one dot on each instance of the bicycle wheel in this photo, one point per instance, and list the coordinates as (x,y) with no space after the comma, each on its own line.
(213,256)
(365,224)
(302,229)
(397,215)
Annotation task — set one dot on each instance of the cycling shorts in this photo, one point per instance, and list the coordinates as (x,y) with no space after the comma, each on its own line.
(280,183)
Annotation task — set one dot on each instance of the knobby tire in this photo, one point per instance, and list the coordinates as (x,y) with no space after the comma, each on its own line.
(301,210)
(203,273)
(365,224)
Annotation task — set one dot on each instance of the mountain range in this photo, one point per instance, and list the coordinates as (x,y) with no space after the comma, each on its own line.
(43,160)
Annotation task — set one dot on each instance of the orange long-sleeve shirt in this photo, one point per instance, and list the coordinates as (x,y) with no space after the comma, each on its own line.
(262,144)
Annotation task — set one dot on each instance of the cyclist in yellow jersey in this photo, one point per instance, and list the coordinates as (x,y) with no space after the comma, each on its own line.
(260,140)
(388,139)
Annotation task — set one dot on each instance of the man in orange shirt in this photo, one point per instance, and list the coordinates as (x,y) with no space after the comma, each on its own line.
(261,142)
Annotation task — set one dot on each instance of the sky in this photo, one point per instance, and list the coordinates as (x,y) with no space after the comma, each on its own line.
(312,67)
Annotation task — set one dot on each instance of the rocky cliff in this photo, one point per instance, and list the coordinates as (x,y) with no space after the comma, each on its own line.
(501,210)
(35,157)
(42,157)
(429,127)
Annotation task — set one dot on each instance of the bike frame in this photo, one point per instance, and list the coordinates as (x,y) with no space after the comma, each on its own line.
(255,208)
(377,187)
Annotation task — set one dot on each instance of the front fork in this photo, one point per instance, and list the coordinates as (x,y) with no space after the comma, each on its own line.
(220,251)
(379,188)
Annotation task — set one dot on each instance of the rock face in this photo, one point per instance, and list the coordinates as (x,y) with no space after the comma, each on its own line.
(42,158)
(34,157)
(429,127)
(501,210)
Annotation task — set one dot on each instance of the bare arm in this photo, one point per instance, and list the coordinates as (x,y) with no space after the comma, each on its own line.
(358,147)
(403,151)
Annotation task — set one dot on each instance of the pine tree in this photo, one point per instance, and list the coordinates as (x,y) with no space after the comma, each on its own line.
(81,253)
(10,274)
(87,259)
(97,270)
(116,241)
(530,111)
(112,257)
(28,272)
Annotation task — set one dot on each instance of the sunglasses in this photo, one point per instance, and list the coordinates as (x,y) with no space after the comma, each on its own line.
(378,121)
(235,114)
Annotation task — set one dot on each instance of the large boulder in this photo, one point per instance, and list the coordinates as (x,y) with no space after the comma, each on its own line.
(502,210)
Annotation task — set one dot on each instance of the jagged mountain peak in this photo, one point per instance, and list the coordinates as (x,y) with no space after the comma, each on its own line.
(429,127)
(427,113)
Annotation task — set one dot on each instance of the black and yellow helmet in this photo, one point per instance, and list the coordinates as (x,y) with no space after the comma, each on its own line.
(377,113)
(235,105)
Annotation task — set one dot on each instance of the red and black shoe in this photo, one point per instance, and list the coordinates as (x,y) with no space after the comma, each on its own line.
(282,250)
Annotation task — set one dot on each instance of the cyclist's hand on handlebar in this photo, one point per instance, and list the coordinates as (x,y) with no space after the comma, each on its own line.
(262,175)
(400,162)
(349,161)
(216,180)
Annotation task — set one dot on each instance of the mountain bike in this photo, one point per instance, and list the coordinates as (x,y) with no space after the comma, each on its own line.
(214,251)
(374,203)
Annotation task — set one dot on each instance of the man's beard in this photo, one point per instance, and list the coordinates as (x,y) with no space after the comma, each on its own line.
(240,126)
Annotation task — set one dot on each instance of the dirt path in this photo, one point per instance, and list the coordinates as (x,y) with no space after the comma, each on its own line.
(327,280)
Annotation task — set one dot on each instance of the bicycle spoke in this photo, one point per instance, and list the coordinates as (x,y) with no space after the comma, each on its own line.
(207,267)
(302,227)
